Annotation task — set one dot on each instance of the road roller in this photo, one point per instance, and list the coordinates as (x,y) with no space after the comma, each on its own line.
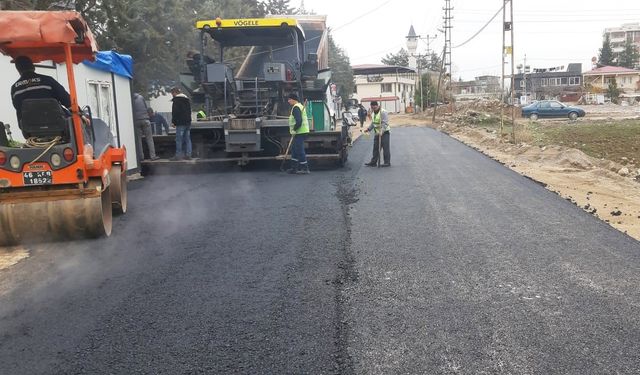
(68,178)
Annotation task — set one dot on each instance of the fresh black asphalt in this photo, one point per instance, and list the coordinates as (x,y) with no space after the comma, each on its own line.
(445,263)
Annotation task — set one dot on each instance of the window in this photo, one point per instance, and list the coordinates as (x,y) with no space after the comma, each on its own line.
(386,87)
(563,81)
(574,81)
(555,105)
(100,102)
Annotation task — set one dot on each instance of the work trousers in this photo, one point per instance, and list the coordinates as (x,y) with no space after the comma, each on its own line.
(385,148)
(143,127)
(297,149)
(183,138)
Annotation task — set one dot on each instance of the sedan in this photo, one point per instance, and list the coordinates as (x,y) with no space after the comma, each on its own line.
(551,108)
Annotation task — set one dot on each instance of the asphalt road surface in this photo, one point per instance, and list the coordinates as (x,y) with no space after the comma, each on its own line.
(445,263)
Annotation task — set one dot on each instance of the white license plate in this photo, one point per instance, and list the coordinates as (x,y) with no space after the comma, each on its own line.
(38,178)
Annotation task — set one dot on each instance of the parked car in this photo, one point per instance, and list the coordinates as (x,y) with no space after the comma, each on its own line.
(551,108)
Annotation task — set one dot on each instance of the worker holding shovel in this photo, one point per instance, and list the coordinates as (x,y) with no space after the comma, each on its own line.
(298,128)
(379,123)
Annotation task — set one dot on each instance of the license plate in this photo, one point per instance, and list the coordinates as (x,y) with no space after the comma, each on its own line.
(38,178)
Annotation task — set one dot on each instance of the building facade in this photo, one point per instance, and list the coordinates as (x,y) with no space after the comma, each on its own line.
(550,83)
(392,86)
(619,35)
(627,80)
(487,87)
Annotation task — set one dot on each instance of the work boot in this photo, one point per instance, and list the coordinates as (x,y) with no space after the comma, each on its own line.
(293,169)
(176,158)
(371,164)
(385,165)
(303,169)
(188,157)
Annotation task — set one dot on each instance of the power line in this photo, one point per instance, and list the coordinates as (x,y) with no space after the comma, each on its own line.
(362,15)
(482,28)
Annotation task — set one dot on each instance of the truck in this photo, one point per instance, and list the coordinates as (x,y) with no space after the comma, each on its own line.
(246,112)
(68,178)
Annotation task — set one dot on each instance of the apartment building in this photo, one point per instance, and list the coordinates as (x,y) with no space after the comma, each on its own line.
(619,35)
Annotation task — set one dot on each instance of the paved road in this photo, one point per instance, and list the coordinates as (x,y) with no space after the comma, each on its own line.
(446,262)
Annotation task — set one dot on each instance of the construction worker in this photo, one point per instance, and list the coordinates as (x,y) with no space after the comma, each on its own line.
(157,122)
(32,85)
(201,115)
(379,123)
(181,120)
(298,128)
(142,126)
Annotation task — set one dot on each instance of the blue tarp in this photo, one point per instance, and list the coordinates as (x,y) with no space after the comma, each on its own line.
(114,62)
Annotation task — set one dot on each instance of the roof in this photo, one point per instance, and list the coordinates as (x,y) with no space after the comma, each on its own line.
(364,69)
(110,61)
(412,33)
(379,99)
(41,35)
(610,70)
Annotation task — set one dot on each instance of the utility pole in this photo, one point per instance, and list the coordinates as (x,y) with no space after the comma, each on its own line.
(447,43)
(507,28)
(428,38)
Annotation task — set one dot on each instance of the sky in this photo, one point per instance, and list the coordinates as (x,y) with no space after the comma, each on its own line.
(549,32)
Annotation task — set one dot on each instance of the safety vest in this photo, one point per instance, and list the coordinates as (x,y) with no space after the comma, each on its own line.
(201,115)
(376,118)
(304,128)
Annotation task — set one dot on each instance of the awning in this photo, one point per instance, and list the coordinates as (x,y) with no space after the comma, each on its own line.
(380,99)
(111,61)
(42,35)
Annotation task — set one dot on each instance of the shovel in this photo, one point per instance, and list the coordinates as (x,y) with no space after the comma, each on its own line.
(286,153)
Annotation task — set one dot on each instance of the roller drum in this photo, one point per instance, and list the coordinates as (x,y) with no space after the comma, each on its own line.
(59,219)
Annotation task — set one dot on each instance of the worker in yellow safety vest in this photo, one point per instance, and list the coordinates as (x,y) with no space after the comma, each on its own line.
(298,128)
(380,123)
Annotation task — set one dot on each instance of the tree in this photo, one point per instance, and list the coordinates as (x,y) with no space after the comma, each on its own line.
(606,52)
(613,91)
(400,59)
(629,56)
(342,74)
(277,7)
(432,62)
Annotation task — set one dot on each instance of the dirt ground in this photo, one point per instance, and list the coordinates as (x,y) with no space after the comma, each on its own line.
(11,255)
(609,190)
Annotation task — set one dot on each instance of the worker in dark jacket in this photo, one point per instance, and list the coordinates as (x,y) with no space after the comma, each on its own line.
(32,85)
(181,120)
(362,114)
(157,122)
(298,128)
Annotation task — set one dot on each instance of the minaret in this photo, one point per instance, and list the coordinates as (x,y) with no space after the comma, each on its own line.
(412,47)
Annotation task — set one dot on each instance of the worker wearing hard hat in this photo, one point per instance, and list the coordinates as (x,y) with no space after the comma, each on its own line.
(298,128)
(379,123)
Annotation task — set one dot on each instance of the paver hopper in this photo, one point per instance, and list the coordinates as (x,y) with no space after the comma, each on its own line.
(68,178)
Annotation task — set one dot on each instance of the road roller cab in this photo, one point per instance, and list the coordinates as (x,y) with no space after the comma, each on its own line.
(67,178)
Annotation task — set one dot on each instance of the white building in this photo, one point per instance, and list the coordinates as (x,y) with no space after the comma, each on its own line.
(392,86)
(618,36)
(104,86)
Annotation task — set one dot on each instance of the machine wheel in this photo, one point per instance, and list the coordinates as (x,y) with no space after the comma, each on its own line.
(118,189)
(573,115)
(533,116)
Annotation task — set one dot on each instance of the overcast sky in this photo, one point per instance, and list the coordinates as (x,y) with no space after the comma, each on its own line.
(550,32)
